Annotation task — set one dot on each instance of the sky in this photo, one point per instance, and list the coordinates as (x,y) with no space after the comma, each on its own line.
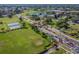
(39,1)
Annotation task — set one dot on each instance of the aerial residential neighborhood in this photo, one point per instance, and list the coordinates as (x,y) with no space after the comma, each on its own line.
(39,29)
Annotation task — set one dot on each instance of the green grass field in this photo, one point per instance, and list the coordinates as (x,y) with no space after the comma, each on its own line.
(75,30)
(20,40)
(60,51)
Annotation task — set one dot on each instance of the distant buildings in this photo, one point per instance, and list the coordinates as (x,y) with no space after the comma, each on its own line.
(6,11)
(57,11)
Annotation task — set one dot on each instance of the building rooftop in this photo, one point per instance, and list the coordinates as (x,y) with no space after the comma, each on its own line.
(76,21)
(15,25)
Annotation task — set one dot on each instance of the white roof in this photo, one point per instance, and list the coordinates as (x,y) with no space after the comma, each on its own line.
(18,15)
(14,25)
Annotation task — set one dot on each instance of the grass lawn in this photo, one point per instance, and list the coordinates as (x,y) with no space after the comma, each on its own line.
(76,26)
(9,20)
(54,23)
(75,30)
(60,51)
(21,40)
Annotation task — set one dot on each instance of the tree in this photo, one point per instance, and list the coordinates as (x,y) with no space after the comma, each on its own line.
(20,18)
(55,16)
(44,35)
(10,15)
(49,21)
(63,23)
(35,17)
(1,22)
(3,29)
(23,24)
(35,29)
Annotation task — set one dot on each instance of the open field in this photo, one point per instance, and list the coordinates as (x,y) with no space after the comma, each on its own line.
(20,40)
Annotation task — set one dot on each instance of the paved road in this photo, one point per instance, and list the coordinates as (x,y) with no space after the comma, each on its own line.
(54,36)
(70,43)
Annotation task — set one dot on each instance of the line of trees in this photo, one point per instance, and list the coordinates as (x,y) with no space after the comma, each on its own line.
(35,28)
